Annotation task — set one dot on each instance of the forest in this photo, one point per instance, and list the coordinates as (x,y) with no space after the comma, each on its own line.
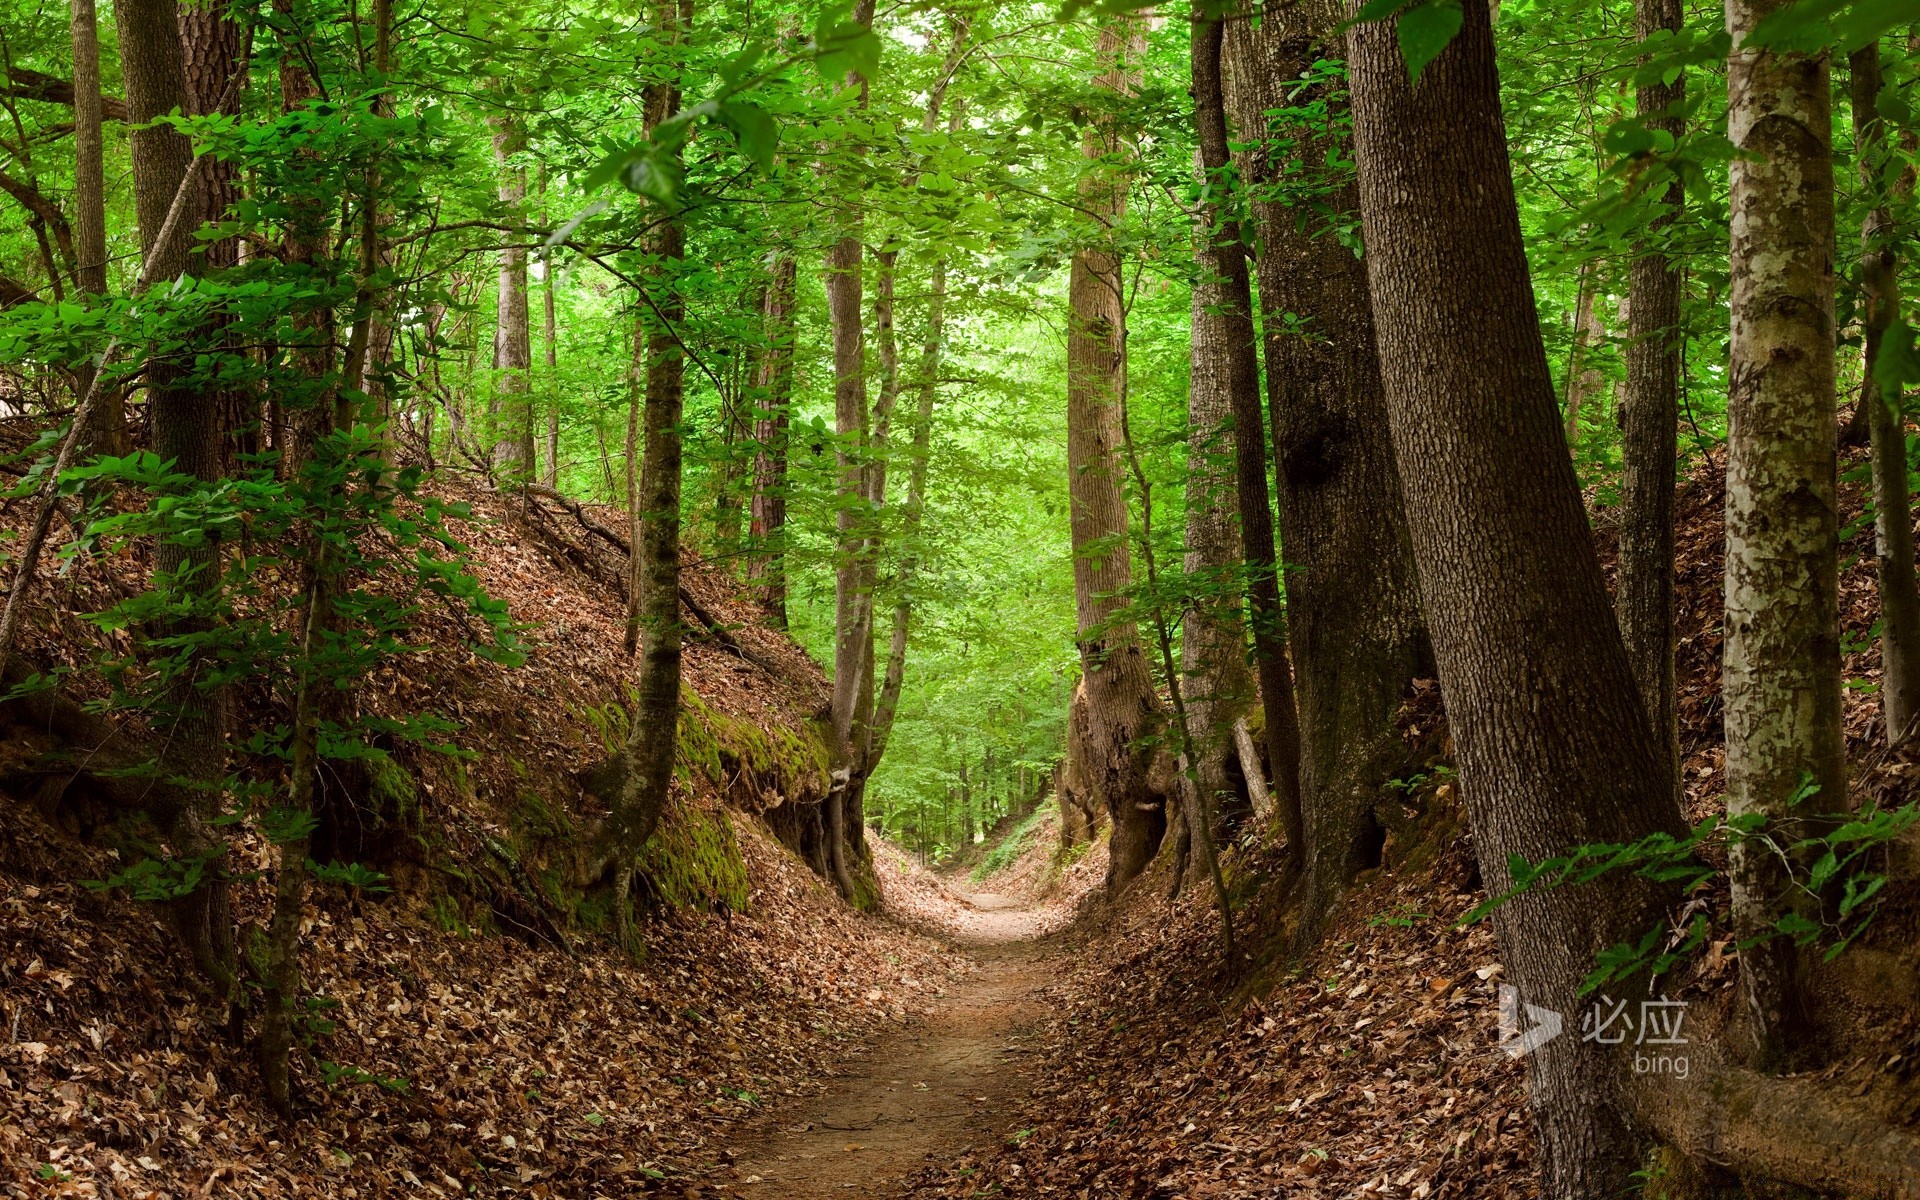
(1084,598)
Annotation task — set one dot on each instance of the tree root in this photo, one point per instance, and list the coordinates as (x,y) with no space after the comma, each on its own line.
(1786,1128)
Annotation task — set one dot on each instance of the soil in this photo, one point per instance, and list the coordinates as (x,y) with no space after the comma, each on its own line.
(949,1082)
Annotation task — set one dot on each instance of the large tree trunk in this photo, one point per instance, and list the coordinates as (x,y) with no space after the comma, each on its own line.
(772,392)
(214,54)
(1553,745)
(1649,426)
(186,430)
(1892,485)
(106,429)
(1120,718)
(511,405)
(1781,670)
(852,599)
(1357,634)
(1223,253)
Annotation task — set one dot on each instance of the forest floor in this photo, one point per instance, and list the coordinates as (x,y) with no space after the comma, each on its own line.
(948,1081)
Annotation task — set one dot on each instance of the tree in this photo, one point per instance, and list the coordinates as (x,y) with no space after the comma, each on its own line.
(1781,671)
(646,775)
(1116,716)
(185,430)
(1650,420)
(772,392)
(1356,630)
(1892,485)
(853,601)
(511,408)
(1554,748)
(107,431)
(1223,255)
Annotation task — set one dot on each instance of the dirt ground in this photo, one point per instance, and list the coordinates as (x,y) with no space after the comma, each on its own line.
(948,1081)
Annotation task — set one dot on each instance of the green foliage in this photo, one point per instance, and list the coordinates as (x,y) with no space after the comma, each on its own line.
(1009,849)
(1838,847)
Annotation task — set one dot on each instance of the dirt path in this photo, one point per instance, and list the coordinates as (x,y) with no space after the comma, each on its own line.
(942,1083)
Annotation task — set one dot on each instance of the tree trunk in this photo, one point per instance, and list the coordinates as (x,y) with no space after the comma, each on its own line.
(852,635)
(1582,380)
(1356,630)
(1892,486)
(1213,646)
(1121,715)
(1781,668)
(636,389)
(1224,253)
(550,461)
(214,47)
(185,429)
(773,390)
(512,404)
(1552,742)
(888,703)
(654,739)
(106,431)
(1649,427)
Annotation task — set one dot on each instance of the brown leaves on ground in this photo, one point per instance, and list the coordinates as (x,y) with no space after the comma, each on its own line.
(468,1065)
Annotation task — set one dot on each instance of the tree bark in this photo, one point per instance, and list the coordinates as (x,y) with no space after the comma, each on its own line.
(1781,667)
(1649,428)
(512,404)
(1892,485)
(1583,381)
(1224,254)
(1553,745)
(214,49)
(1121,715)
(1356,630)
(1217,688)
(852,604)
(653,741)
(773,391)
(186,430)
(106,431)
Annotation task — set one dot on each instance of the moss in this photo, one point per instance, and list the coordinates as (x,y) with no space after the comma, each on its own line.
(693,861)
(391,787)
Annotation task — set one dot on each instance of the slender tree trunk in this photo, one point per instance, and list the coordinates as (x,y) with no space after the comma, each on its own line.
(1217,687)
(1553,744)
(1356,630)
(185,430)
(1649,428)
(928,388)
(1223,252)
(1892,486)
(772,390)
(512,404)
(1118,713)
(654,740)
(1581,380)
(1781,669)
(550,462)
(636,389)
(106,431)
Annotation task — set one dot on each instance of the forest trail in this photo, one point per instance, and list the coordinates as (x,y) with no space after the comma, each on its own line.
(947,1081)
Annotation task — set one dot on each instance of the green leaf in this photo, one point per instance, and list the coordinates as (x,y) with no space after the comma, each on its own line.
(755,131)
(1424,31)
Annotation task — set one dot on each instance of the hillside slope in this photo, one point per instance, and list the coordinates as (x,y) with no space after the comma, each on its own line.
(485,1037)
